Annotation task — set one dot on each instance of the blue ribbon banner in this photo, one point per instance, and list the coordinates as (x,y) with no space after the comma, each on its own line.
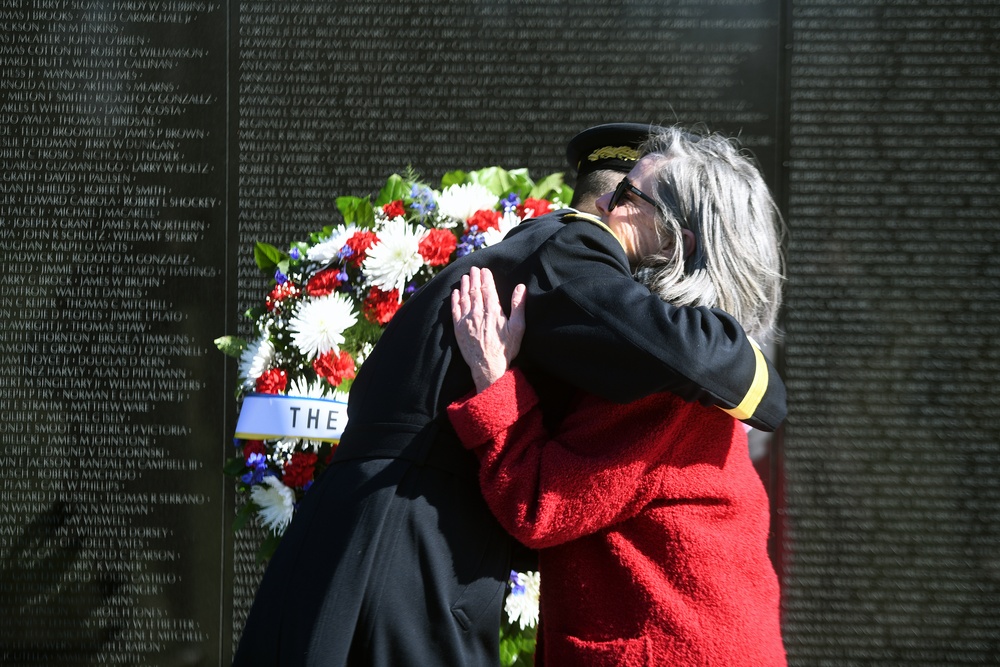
(272,416)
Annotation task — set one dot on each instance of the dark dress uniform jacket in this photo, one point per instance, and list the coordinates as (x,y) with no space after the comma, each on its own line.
(393,557)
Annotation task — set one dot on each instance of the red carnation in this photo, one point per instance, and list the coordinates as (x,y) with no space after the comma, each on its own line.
(380,306)
(272,381)
(436,247)
(532,208)
(483,220)
(334,366)
(394,209)
(359,244)
(253,447)
(279,293)
(299,470)
(323,282)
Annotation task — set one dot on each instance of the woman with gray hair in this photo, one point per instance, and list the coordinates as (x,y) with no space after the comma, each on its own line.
(718,225)
(650,520)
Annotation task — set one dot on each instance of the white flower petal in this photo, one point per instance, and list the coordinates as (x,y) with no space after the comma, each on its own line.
(256,358)
(326,250)
(395,258)
(319,324)
(508,221)
(461,201)
(276,502)
(522,607)
(302,386)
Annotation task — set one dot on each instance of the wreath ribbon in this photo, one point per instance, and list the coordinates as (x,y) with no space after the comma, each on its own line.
(273,416)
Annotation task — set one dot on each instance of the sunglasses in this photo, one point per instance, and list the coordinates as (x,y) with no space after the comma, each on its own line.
(624,187)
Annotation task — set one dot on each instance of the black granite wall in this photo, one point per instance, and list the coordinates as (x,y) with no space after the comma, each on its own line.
(146,144)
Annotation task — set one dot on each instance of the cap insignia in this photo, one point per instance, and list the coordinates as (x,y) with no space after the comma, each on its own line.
(614,152)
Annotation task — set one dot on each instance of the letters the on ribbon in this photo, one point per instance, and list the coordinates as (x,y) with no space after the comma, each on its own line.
(271,416)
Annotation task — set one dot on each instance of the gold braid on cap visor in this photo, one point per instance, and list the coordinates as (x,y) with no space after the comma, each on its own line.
(614,152)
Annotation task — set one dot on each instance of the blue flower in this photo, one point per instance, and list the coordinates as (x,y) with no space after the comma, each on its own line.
(295,254)
(422,200)
(280,277)
(471,242)
(257,463)
(516,587)
(510,202)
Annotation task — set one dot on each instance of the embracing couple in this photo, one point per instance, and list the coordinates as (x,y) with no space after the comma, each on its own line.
(601,420)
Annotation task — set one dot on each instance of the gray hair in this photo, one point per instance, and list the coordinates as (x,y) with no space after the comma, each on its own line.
(707,185)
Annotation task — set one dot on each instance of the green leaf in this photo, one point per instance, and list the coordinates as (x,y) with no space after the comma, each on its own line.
(517,646)
(454,178)
(496,180)
(357,210)
(521,182)
(565,194)
(360,333)
(550,185)
(231,346)
(267,547)
(243,515)
(268,257)
(234,466)
(394,188)
(316,237)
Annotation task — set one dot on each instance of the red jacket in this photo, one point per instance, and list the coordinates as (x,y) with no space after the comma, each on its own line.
(651,523)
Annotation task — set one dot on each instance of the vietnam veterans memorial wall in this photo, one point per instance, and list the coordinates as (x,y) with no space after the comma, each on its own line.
(146,145)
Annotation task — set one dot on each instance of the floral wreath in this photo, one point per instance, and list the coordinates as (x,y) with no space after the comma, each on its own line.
(331,297)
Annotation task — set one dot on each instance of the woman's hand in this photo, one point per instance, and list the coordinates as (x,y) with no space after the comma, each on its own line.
(487,338)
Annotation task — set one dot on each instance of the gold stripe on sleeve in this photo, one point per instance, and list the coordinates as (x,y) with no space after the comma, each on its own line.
(756,391)
(593,219)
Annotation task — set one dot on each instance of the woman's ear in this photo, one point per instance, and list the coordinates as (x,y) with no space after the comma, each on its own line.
(690,243)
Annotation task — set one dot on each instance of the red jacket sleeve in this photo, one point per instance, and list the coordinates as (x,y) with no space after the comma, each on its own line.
(546,490)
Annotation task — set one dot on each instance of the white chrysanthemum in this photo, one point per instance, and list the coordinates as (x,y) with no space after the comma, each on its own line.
(284,448)
(326,250)
(256,358)
(507,222)
(522,603)
(395,258)
(461,201)
(366,349)
(276,502)
(301,386)
(319,324)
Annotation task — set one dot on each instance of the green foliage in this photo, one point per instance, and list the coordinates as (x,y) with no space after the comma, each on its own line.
(235,466)
(552,187)
(267,547)
(395,188)
(453,178)
(314,238)
(363,332)
(231,346)
(269,258)
(501,182)
(243,515)
(498,181)
(517,646)
(357,210)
